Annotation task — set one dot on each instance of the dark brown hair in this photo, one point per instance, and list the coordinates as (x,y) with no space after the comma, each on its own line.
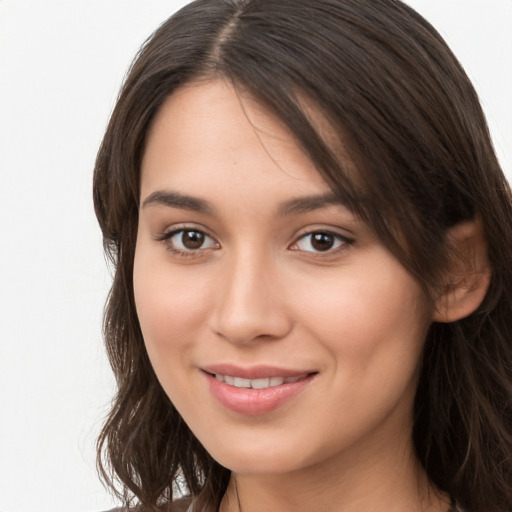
(408,117)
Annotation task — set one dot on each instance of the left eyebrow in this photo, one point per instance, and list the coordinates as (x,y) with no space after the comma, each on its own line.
(308,204)
(178,200)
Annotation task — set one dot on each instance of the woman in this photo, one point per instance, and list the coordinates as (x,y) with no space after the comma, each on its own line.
(311,240)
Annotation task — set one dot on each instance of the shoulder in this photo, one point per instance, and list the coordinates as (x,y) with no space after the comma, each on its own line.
(181,505)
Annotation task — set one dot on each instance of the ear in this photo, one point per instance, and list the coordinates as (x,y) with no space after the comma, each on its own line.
(469,275)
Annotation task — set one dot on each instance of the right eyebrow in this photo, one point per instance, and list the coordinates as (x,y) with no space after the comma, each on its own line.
(178,200)
(307,204)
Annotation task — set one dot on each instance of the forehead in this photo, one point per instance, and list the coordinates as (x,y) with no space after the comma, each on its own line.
(208,131)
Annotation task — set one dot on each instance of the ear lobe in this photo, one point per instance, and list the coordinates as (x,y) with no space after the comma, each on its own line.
(469,275)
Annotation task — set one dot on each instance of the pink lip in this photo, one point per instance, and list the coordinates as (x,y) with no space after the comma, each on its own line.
(250,401)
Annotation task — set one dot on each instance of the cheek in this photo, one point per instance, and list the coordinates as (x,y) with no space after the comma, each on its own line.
(373,327)
(171,306)
(363,315)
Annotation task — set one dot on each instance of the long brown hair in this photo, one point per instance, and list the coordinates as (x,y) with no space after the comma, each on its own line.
(408,117)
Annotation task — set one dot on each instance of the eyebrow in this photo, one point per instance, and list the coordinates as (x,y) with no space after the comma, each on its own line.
(178,200)
(308,204)
(298,205)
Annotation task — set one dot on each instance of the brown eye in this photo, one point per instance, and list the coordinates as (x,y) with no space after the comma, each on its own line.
(188,241)
(192,239)
(320,241)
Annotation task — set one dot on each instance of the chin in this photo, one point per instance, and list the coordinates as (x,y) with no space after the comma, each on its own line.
(260,458)
(263,464)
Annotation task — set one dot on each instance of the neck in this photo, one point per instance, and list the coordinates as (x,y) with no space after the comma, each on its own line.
(392,481)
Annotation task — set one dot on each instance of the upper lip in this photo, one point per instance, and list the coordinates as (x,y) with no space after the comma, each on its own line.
(254,372)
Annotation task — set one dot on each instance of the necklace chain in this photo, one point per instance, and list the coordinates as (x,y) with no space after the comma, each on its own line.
(237,497)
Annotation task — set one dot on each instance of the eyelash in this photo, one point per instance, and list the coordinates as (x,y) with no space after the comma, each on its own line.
(166,239)
(342,241)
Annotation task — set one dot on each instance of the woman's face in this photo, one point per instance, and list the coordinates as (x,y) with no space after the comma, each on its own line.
(280,327)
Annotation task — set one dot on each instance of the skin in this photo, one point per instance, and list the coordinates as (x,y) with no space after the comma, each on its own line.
(258,292)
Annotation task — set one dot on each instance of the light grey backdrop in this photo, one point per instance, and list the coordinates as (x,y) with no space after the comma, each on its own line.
(61,64)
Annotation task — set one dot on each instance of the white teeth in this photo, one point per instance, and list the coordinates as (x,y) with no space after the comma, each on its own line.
(260,383)
(242,383)
(264,383)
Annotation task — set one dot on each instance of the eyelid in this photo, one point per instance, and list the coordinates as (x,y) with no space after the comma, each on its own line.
(345,240)
(176,228)
(166,237)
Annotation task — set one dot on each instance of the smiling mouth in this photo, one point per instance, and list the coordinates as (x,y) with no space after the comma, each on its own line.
(255,391)
(263,383)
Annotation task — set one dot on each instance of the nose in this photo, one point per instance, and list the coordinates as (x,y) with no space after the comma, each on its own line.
(251,302)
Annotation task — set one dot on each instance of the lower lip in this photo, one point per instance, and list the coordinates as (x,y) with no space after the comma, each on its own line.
(254,402)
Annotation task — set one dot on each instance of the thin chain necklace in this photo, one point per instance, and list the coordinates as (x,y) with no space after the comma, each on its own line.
(238,497)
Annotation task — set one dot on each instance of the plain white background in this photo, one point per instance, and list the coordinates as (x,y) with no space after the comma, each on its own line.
(61,64)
